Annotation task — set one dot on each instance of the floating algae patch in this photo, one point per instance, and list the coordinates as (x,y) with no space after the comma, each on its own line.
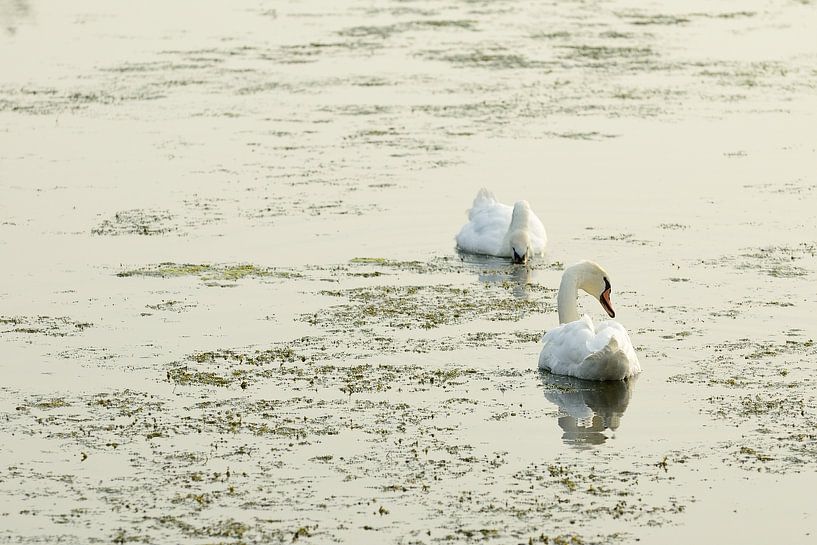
(644,19)
(767,389)
(466,264)
(307,206)
(798,188)
(137,222)
(775,261)
(753,363)
(171,306)
(260,456)
(52,326)
(210,274)
(366,346)
(436,265)
(626,237)
(54,403)
(167,270)
(425,307)
(585,490)
(492,59)
(606,53)
(387,31)
(224,367)
(291,371)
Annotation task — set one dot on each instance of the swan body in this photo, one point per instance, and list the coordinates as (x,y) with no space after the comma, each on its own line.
(500,230)
(580,349)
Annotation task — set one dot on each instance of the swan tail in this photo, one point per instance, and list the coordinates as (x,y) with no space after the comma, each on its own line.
(614,361)
(484,198)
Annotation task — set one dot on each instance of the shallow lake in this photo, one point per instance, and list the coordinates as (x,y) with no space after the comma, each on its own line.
(232,310)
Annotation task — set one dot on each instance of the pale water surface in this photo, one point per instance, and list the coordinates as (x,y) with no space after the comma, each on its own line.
(231,309)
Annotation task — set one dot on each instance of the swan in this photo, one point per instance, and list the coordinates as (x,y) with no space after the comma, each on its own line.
(579,349)
(497,229)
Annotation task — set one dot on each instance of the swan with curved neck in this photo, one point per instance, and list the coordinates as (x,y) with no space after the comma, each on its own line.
(587,276)
(579,349)
(500,230)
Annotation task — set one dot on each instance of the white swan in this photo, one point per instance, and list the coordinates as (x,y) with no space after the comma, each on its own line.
(577,348)
(497,229)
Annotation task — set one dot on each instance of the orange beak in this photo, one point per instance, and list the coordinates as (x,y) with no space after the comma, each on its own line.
(605,302)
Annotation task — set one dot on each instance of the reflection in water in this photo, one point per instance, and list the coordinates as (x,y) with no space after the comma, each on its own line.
(12,12)
(498,270)
(587,408)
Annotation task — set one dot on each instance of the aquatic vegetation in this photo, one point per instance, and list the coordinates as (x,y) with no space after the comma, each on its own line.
(209,273)
(387,31)
(763,384)
(494,58)
(393,398)
(644,19)
(596,53)
(137,222)
(775,261)
(52,326)
(426,307)
(305,206)
(171,306)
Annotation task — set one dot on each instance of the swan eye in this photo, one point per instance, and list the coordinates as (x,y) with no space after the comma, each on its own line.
(606,284)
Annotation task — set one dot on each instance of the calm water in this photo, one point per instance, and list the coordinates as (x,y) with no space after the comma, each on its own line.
(232,312)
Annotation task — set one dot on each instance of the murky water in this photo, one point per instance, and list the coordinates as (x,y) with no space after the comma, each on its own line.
(231,310)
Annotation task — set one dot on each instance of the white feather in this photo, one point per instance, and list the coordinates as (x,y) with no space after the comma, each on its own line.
(578,349)
(489,226)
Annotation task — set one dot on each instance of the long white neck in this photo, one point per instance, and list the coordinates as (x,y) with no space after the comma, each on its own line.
(519,218)
(568,294)
(519,222)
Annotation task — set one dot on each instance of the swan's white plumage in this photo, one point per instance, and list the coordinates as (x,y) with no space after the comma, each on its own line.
(580,349)
(488,228)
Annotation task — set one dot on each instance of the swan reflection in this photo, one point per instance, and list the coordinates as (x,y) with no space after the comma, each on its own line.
(498,270)
(587,409)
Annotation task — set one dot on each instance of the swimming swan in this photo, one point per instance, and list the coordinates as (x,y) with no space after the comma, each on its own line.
(497,229)
(577,348)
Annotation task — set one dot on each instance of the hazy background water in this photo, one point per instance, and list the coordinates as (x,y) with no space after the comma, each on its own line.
(268,386)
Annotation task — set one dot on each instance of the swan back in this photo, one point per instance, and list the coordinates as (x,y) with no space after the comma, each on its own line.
(492,226)
(580,350)
(484,200)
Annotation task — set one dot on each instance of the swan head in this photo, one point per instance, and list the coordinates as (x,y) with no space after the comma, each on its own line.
(520,238)
(595,281)
(520,246)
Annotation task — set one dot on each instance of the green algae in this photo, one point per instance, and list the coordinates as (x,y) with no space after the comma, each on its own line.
(762,385)
(387,31)
(423,307)
(408,455)
(137,222)
(597,53)
(52,326)
(209,273)
(781,261)
(55,403)
(185,377)
(287,368)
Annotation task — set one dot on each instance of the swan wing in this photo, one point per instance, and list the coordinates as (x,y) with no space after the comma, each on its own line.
(580,350)
(565,347)
(484,199)
(488,223)
(612,356)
